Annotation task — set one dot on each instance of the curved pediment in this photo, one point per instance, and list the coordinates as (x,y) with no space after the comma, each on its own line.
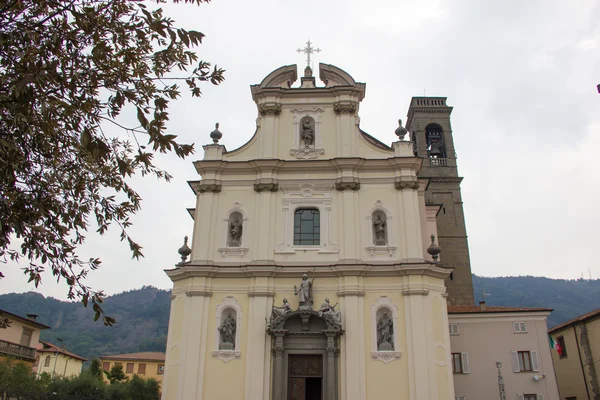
(304,322)
(282,77)
(334,76)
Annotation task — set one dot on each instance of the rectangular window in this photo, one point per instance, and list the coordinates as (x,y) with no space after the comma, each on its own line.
(519,327)
(571,398)
(142,369)
(129,368)
(530,397)
(453,329)
(118,363)
(460,397)
(460,363)
(524,361)
(106,366)
(26,337)
(561,342)
(307,227)
(161,369)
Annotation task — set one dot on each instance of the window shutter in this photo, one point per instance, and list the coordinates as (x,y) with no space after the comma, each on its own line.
(520,397)
(535,365)
(540,397)
(523,327)
(514,359)
(515,327)
(465,363)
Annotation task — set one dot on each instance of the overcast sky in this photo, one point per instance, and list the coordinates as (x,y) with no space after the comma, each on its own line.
(521,76)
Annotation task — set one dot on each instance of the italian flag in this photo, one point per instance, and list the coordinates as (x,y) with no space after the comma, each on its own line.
(555,346)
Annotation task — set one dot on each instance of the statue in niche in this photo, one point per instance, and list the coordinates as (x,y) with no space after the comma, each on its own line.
(227,331)
(304,293)
(379,225)
(307,132)
(278,312)
(328,309)
(235,231)
(385,333)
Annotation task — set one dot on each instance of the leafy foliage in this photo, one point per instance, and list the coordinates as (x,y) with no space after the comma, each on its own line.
(95,369)
(116,374)
(68,69)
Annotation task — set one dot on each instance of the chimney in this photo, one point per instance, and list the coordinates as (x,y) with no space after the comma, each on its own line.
(32,317)
(482,305)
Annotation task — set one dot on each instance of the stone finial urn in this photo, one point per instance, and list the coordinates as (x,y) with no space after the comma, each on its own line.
(434,250)
(216,135)
(184,251)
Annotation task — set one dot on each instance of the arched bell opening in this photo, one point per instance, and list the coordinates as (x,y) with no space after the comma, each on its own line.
(434,137)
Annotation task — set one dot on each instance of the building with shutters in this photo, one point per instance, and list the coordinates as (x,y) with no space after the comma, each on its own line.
(56,361)
(19,337)
(482,336)
(147,364)
(579,361)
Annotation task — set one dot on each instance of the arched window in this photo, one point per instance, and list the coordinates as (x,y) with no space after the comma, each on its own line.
(307,227)
(47,361)
(434,135)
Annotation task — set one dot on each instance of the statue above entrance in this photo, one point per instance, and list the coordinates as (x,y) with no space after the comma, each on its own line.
(304,293)
(328,310)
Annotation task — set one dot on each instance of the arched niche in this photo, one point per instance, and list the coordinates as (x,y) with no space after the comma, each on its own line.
(384,322)
(227,311)
(235,229)
(379,228)
(305,346)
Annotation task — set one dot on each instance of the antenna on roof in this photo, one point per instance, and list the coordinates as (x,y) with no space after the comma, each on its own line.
(484,294)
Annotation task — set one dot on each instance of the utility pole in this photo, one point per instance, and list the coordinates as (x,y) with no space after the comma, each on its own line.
(56,357)
(500,381)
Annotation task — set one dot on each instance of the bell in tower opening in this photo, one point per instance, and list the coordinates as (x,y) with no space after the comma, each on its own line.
(435,141)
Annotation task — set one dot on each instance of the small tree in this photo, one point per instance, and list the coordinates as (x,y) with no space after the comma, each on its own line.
(143,389)
(116,374)
(95,368)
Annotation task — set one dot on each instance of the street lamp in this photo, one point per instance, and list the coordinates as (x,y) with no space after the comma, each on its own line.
(500,381)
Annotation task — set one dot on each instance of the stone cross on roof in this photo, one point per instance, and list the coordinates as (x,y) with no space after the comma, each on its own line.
(308,50)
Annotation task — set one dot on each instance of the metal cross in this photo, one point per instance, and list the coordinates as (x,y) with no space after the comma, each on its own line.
(308,50)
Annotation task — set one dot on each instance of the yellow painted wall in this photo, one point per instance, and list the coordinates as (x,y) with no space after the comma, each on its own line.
(62,365)
(152,368)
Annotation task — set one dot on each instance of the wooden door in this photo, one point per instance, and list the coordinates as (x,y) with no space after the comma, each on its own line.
(301,367)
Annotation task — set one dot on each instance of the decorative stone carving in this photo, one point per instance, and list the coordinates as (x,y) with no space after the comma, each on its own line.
(343,107)
(386,356)
(226,355)
(385,332)
(384,315)
(235,229)
(400,130)
(328,310)
(304,293)
(227,332)
(406,185)
(379,228)
(229,316)
(279,312)
(184,251)
(270,109)
(215,188)
(307,132)
(271,187)
(216,134)
(306,153)
(341,186)
(434,250)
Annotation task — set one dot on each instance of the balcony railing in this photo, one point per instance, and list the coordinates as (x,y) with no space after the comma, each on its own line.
(17,350)
(437,162)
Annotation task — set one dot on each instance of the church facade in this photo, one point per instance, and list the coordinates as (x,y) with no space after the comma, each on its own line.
(314,271)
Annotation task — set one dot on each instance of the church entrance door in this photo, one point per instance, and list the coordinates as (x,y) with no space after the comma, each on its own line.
(305,376)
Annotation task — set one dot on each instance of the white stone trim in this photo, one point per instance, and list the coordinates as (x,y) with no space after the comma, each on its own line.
(385,356)
(242,250)
(390,248)
(303,152)
(306,195)
(228,303)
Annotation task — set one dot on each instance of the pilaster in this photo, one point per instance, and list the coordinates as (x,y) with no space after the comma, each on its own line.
(193,348)
(416,347)
(354,349)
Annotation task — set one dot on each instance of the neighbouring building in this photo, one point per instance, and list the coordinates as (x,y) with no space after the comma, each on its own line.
(56,361)
(482,336)
(147,364)
(19,336)
(312,272)
(577,364)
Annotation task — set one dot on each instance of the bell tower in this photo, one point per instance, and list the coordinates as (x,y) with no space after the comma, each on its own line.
(431,136)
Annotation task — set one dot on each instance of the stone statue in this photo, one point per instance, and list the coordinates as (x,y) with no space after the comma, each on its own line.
(235,230)
(328,309)
(227,331)
(278,312)
(304,292)
(400,130)
(385,333)
(308,133)
(379,227)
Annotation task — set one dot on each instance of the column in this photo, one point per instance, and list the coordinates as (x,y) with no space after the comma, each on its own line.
(193,349)
(255,348)
(416,341)
(331,360)
(278,368)
(354,380)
